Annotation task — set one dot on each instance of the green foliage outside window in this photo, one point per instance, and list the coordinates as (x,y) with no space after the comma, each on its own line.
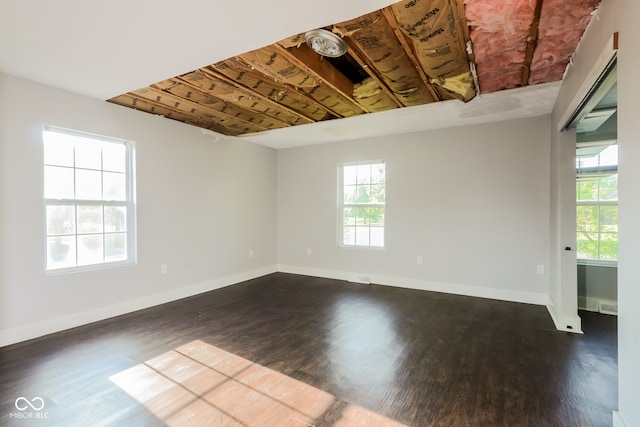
(597,218)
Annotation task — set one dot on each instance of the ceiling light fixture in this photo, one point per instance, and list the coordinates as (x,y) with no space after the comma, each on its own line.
(325,43)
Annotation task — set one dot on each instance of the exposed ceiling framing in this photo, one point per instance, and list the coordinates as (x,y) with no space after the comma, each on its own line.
(410,53)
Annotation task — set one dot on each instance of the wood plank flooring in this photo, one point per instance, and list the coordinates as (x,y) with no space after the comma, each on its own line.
(311,351)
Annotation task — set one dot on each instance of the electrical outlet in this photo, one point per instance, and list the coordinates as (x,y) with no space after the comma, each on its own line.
(164,269)
(540,269)
(419,259)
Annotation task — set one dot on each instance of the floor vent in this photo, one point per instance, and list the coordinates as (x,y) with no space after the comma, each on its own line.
(608,309)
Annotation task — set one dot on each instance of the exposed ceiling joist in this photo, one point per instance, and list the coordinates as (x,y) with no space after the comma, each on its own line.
(249,77)
(321,69)
(531,42)
(355,53)
(408,50)
(255,101)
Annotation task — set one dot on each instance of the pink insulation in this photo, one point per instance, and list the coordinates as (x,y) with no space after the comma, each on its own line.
(500,30)
(562,24)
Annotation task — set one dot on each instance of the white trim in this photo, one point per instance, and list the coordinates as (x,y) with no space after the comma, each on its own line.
(342,206)
(597,263)
(33,330)
(588,303)
(564,323)
(618,421)
(423,285)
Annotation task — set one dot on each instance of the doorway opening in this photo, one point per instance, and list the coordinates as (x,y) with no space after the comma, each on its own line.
(597,196)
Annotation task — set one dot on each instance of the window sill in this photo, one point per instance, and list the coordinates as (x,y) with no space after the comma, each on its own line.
(597,263)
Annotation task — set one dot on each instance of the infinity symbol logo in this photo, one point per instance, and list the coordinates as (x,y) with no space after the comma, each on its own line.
(23,403)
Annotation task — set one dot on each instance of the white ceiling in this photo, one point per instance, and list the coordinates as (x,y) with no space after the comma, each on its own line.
(530,101)
(103,49)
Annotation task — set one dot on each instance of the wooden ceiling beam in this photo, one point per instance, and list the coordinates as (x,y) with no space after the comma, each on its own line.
(300,118)
(462,26)
(285,87)
(391,19)
(137,102)
(532,40)
(368,68)
(198,110)
(305,58)
(184,89)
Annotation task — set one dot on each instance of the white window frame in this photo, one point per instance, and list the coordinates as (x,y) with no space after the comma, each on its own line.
(342,206)
(596,172)
(129,203)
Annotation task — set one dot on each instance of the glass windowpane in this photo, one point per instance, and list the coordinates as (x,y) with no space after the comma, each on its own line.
(349,217)
(61,252)
(587,189)
(349,235)
(362,216)
(587,245)
(115,186)
(363,194)
(349,175)
(58,149)
(349,194)
(377,193)
(609,218)
(88,153)
(377,236)
(90,249)
(88,184)
(61,220)
(587,218)
(115,219)
(114,157)
(89,219)
(58,182)
(608,188)
(376,216)
(364,174)
(377,173)
(115,248)
(362,236)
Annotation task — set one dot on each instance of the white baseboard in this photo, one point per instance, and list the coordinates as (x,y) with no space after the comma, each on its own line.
(564,323)
(588,303)
(617,420)
(598,305)
(22,333)
(423,285)
(38,329)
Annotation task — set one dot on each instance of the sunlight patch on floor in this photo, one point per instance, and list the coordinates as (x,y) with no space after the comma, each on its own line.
(200,384)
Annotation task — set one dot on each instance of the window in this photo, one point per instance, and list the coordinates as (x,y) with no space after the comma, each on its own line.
(89,200)
(597,205)
(361,204)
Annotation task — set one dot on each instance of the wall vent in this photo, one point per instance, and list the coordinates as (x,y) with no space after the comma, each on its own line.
(608,308)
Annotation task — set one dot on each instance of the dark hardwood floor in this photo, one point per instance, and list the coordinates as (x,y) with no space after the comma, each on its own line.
(377,356)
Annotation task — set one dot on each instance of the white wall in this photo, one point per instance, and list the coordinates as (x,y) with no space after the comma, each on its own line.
(202,205)
(472,201)
(620,16)
(563,285)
